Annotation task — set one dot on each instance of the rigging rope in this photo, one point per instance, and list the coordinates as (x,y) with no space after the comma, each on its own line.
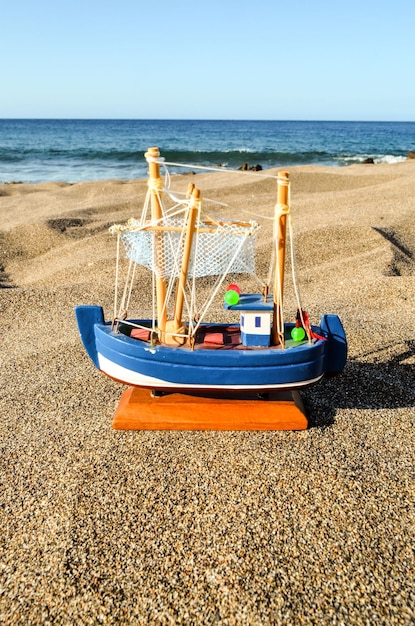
(216,169)
(174,245)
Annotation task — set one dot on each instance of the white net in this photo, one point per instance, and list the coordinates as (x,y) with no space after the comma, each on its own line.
(227,247)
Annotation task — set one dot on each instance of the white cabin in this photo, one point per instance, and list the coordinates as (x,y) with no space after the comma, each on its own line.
(255,328)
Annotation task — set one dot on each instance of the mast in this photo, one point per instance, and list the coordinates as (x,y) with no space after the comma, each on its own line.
(280,225)
(155,186)
(175,326)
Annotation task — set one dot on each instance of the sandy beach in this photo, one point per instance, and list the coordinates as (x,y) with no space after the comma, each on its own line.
(108,527)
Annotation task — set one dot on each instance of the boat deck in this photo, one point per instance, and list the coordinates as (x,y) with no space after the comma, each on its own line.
(211,337)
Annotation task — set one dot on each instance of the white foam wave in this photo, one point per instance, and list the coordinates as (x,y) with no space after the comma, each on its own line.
(377,158)
(389,158)
(241,150)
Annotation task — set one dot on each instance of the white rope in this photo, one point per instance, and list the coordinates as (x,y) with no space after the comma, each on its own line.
(175,195)
(154,299)
(131,323)
(116,276)
(294,279)
(124,296)
(209,301)
(220,169)
(180,206)
(127,306)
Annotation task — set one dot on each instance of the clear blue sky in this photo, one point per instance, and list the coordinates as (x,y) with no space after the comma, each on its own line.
(212,59)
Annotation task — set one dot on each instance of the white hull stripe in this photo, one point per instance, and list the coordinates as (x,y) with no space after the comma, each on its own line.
(136,379)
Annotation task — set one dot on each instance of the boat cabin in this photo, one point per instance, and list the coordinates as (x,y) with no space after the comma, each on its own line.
(255,328)
(255,319)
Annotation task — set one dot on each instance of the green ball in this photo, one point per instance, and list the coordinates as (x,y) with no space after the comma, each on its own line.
(231,297)
(298,334)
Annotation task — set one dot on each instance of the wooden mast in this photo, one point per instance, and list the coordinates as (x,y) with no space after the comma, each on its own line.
(176,327)
(155,185)
(280,223)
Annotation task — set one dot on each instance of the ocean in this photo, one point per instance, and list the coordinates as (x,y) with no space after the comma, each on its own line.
(77,150)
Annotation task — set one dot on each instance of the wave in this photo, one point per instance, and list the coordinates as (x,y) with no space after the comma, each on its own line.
(72,164)
(390,158)
(236,158)
(232,157)
(81,154)
(377,158)
(87,149)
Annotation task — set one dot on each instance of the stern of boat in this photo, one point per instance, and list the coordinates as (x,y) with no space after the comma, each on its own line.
(87,316)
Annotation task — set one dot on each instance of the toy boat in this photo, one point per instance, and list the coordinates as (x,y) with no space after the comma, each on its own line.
(177,349)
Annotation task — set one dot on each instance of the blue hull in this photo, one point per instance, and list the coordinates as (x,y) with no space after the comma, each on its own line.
(138,363)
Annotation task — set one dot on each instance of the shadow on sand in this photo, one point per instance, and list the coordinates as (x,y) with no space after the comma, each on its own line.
(379,384)
(5,282)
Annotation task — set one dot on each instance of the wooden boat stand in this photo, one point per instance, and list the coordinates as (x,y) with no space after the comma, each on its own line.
(140,409)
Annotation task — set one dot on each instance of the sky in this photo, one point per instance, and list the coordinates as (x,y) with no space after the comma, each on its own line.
(208,59)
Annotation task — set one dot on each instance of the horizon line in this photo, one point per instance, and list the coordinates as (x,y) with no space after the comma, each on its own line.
(201,119)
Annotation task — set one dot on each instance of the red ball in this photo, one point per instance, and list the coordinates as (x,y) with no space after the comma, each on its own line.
(234,287)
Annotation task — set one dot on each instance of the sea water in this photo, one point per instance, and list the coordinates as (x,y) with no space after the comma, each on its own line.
(78,150)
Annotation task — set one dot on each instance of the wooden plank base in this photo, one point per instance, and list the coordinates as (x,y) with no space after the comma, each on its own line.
(139,410)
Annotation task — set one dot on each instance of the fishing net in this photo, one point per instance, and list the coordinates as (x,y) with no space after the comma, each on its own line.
(227,247)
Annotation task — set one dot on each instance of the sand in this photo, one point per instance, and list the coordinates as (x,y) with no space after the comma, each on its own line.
(107,527)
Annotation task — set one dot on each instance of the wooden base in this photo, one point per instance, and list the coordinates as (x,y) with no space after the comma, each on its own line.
(139,410)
